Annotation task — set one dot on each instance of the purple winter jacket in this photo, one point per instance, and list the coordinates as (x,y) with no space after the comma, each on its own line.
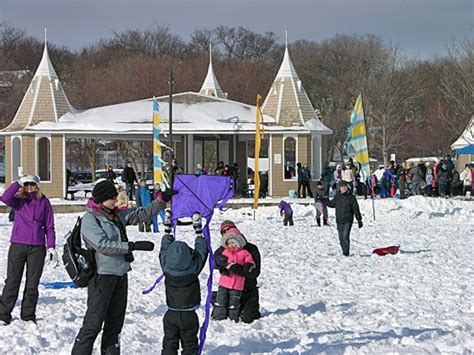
(34,219)
(285,207)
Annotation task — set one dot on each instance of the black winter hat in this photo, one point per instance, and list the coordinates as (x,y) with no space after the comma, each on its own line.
(103,191)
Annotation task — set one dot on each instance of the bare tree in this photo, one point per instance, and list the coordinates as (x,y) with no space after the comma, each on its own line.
(389,96)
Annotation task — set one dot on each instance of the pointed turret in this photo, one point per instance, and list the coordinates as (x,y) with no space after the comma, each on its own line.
(287,100)
(44,100)
(210,86)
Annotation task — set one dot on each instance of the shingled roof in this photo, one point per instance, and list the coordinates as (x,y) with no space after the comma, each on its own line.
(210,86)
(44,101)
(287,100)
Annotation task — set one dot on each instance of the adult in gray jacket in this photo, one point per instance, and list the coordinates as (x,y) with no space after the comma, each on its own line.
(103,230)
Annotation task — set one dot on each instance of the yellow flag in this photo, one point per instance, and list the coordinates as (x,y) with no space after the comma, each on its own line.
(258,138)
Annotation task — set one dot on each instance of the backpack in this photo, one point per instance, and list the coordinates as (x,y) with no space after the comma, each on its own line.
(78,261)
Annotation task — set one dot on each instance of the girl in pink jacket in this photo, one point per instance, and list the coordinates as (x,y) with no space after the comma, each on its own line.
(231,284)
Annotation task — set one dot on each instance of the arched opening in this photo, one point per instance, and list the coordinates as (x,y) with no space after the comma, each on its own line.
(16,158)
(44,159)
(289,149)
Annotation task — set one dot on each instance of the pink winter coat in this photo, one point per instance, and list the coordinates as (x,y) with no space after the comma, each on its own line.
(234,281)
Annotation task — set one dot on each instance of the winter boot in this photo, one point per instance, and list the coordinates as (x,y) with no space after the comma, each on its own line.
(197,222)
(326,222)
(318,221)
(167,221)
(141,227)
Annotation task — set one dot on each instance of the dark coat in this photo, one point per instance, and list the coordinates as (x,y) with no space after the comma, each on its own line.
(251,276)
(346,207)
(320,196)
(129,175)
(182,266)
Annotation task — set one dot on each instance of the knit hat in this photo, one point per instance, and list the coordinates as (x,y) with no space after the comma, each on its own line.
(233,233)
(104,191)
(226,225)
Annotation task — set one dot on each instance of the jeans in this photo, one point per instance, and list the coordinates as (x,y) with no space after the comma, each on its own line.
(155,220)
(344,230)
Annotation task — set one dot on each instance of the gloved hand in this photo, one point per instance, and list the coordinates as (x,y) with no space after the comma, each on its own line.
(52,257)
(360,224)
(168,193)
(224,271)
(236,269)
(221,260)
(141,245)
(248,267)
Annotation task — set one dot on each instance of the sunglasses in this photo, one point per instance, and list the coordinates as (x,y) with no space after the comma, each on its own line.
(29,184)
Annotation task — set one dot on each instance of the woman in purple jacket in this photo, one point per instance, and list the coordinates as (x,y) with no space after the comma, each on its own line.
(33,233)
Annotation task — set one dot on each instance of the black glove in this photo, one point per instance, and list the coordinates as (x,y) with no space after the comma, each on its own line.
(236,269)
(224,271)
(248,267)
(221,260)
(168,193)
(141,245)
(360,224)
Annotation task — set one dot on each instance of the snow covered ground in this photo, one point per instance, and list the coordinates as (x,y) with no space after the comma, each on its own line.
(313,299)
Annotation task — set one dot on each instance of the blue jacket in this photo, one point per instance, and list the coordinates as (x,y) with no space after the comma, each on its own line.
(144,197)
(102,234)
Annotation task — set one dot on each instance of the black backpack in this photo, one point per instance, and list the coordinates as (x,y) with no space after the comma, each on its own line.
(79,262)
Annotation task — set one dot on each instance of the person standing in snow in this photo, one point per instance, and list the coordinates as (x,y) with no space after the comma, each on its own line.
(443,181)
(287,212)
(466,179)
(231,285)
(33,237)
(346,208)
(320,200)
(110,174)
(144,198)
(103,230)
(181,266)
(157,194)
(129,178)
(250,299)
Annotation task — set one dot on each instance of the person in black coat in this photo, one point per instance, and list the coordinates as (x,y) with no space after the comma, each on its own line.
(110,174)
(181,266)
(130,178)
(249,302)
(346,208)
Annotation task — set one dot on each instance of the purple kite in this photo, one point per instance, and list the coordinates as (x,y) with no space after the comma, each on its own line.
(200,193)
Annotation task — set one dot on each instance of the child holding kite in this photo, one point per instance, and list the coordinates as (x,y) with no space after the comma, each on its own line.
(181,266)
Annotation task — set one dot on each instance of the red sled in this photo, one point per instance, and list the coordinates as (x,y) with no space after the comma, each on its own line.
(394,249)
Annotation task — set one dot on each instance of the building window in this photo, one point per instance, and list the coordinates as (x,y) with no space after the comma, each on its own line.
(289,150)
(16,158)
(44,159)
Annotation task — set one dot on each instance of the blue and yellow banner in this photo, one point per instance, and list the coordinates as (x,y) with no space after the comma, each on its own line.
(157,168)
(358,139)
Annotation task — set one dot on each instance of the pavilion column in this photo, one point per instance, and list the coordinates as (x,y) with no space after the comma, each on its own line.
(190,154)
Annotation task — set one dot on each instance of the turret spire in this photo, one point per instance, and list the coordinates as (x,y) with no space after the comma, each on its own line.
(210,86)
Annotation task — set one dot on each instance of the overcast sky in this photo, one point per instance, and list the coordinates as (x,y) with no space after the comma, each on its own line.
(422,28)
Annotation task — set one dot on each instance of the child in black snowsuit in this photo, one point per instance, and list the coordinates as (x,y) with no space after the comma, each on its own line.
(320,203)
(181,266)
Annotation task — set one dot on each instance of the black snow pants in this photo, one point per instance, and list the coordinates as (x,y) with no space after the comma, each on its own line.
(106,305)
(227,304)
(288,218)
(180,326)
(250,306)
(19,255)
(344,230)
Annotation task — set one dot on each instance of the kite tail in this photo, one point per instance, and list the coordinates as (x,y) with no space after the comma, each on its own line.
(157,281)
(203,331)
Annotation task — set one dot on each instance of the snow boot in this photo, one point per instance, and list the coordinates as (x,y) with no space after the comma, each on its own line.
(326,222)
(318,221)
(167,221)
(197,222)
